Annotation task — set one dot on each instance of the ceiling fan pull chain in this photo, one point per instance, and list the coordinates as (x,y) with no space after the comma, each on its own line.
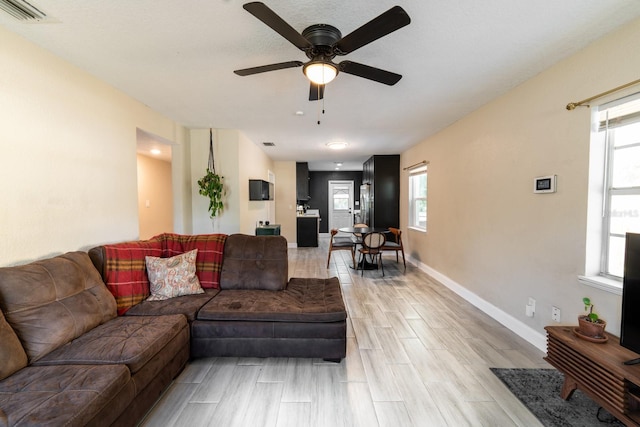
(319,105)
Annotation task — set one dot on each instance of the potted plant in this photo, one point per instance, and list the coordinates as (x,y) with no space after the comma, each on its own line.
(212,185)
(590,324)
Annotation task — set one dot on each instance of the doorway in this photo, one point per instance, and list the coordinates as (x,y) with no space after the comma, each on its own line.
(340,204)
(155,195)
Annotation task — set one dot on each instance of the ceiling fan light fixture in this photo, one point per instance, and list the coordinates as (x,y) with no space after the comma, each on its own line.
(320,72)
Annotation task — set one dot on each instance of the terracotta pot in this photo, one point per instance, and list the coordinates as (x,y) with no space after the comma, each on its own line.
(591,329)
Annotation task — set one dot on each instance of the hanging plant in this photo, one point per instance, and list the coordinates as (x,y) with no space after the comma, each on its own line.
(212,185)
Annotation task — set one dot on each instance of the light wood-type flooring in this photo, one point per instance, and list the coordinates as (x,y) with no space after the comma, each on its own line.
(417,355)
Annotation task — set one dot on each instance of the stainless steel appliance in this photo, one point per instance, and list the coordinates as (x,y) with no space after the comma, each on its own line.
(365,203)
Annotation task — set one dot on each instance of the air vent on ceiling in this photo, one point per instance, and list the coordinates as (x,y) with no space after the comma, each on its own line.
(269,144)
(22,10)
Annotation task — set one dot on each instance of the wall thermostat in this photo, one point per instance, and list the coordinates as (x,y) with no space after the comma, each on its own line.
(544,184)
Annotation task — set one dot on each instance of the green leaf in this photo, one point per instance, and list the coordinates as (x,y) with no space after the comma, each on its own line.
(212,186)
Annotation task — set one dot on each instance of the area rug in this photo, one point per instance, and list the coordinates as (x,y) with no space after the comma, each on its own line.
(539,390)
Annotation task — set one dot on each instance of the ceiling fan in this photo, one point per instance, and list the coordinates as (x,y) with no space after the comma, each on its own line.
(321,43)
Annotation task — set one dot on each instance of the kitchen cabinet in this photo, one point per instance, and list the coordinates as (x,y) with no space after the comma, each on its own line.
(307,231)
(381,173)
(302,181)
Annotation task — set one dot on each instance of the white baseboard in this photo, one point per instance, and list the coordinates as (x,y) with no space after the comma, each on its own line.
(524,331)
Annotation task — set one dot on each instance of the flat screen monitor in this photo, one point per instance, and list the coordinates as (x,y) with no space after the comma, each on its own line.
(630,324)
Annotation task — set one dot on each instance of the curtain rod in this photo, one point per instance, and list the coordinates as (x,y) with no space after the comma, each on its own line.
(424,162)
(573,105)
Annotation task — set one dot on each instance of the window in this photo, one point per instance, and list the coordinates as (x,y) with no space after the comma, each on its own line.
(341,199)
(619,129)
(418,198)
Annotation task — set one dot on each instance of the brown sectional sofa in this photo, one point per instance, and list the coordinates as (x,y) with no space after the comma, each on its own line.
(67,358)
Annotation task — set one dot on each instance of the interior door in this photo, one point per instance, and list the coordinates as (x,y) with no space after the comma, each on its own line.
(340,204)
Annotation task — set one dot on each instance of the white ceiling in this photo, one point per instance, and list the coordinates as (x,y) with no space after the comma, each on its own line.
(178,57)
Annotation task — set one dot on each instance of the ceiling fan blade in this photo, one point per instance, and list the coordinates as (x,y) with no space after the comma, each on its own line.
(388,22)
(265,68)
(316,92)
(371,73)
(269,17)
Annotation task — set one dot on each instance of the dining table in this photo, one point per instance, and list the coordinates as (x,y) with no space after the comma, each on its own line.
(363,230)
(358,232)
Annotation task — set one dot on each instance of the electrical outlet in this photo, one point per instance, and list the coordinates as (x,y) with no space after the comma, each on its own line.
(555,314)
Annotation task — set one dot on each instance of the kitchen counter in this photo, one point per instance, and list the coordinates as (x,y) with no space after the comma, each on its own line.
(307,230)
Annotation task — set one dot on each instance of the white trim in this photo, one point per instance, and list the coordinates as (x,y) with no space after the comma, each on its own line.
(421,230)
(534,337)
(602,283)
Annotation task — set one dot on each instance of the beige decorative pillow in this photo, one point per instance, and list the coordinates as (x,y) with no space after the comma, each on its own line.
(172,277)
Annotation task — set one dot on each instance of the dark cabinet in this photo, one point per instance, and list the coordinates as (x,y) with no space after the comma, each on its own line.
(268,230)
(307,231)
(382,174)
(302,181)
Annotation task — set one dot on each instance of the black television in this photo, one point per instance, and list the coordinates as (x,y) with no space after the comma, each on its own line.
(630,324)
(260,190)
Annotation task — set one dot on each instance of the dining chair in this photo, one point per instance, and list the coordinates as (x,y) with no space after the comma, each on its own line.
(371,245)
(395,244)
(339,243)
(358,236)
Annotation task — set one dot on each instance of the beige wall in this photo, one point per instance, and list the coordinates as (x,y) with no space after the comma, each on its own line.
(487,231)
(253,164)
(68,162)
(155,197)
(225,143)
(237,159)
(68,167)
(286,199)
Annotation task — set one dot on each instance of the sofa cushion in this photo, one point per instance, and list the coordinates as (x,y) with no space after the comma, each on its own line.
(68,395)
(173,277)
(210,254)
(50,302)
(125,273)
(304,300)
(130,340)
(255,262)
(187,305)
(12,355)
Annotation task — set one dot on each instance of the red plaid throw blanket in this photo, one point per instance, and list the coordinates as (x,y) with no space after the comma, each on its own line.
(125,268)
(125,271)
(210,251)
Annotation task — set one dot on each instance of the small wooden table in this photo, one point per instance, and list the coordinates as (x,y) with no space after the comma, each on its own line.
(598,370)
